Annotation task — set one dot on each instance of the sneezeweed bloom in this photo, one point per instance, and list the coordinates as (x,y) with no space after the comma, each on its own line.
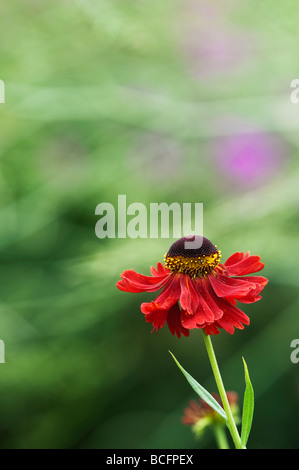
(200,416)
(198,291)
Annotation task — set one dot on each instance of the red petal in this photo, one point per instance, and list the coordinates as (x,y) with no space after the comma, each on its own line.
(165,307)
(189,321)
(155,315)
(171,292)
(211,299)
(208,311)
(253,295)
(135,282)
(160,271)
(240,264)
(205,313)
(211,329)
(189,298)
(236,258)
(225,286)
(174,322)
(232,317)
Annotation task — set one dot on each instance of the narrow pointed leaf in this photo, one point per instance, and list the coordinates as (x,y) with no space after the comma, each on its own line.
(248,407)
(201,391)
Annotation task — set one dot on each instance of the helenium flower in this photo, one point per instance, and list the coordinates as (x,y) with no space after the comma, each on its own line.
(197,290)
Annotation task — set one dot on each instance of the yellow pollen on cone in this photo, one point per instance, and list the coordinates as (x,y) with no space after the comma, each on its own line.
(193,266)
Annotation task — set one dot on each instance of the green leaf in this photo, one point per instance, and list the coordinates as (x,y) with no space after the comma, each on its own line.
(201,391)
(248,407)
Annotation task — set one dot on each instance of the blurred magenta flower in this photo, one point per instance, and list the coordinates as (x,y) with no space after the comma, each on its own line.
(211,42)
(249,157)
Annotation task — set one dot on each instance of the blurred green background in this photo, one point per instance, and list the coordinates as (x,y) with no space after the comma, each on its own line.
(172,101)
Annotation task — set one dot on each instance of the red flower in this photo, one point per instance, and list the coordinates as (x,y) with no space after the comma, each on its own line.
(199,415)
(197,290)
(195,411)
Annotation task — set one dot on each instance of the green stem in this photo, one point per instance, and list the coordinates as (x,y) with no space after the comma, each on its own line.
(230,420)
(220,436)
